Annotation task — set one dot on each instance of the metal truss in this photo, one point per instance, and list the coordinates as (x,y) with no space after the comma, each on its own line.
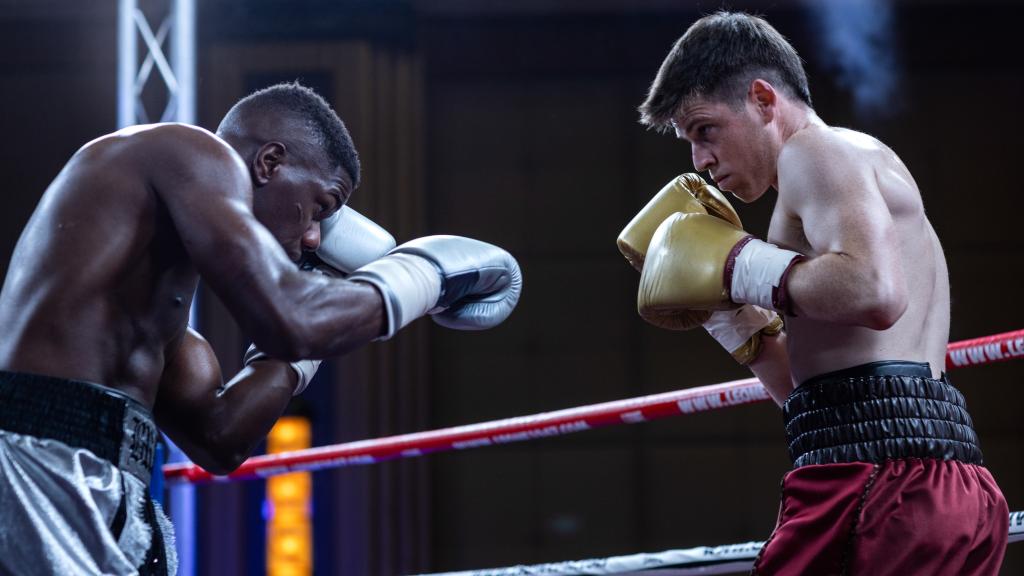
(176,74)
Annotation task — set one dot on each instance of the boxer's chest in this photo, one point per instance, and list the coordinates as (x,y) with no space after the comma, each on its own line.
(787,231)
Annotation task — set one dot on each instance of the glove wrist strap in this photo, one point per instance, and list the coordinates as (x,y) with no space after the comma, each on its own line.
(304,369)
(756,274)
(410,286)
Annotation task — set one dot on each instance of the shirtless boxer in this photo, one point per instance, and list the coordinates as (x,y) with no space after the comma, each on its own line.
(95,308)
(887,475)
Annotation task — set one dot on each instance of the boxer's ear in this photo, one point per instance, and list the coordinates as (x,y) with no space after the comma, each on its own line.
(267,162)
(763,97)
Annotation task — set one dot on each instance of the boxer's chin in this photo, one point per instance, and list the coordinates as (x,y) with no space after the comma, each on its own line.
(746,193)
(740,192)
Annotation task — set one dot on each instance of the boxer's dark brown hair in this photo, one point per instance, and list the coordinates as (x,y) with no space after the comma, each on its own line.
(717,59)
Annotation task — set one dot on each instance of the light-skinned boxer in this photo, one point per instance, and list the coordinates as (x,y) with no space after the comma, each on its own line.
(887,476)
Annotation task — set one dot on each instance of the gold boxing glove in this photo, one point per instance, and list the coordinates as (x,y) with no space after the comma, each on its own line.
(685,265)
(689,194)
(690,265)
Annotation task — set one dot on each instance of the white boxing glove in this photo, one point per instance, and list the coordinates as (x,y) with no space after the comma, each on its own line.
(304,369)
(462,283)
(349,240)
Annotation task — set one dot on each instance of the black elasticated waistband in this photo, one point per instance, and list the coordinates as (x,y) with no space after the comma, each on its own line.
(876,412)
(81,414)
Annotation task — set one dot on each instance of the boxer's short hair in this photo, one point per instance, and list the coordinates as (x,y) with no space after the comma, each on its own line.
(293,100)
(717,59)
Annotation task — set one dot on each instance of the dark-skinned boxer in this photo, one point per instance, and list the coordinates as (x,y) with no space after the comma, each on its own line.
(96,352)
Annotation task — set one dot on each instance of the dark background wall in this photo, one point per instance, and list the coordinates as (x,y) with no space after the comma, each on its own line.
(526,134)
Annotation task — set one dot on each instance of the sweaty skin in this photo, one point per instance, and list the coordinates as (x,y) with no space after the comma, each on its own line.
(844,195)
(874,284)
(101,280)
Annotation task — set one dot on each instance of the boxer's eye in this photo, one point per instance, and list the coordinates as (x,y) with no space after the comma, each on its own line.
(327,204)
(334,201)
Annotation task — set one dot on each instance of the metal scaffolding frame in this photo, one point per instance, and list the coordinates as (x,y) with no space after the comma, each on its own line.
(177,74)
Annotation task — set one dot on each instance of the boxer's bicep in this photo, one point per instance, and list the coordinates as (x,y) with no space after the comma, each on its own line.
(833,199)
(208,195)
(853,274)
(187,396)
(216,424)
(844,216)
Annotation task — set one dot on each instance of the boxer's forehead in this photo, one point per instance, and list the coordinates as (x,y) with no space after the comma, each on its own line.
(315,160)
(341,182)
(694,110)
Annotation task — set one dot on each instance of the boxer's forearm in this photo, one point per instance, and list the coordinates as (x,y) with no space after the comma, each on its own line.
(292,314)
(216,424)
(235,418)
(771,367)
(248,406)
(321,318)
(841,289)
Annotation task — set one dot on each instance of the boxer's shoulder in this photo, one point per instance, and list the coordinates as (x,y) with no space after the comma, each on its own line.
(194,148)
(166,148)
(820,165)
(829,149)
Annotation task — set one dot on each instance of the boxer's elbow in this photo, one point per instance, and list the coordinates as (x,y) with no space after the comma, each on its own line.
(884,306)
(220,466)
(222,455)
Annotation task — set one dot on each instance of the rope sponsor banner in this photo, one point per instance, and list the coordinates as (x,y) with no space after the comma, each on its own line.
(520,428)
(995,348)
(1016,526)
(985,350)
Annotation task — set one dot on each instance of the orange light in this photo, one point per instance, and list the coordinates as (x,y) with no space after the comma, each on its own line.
(290,433)
(289,529)
(290,487)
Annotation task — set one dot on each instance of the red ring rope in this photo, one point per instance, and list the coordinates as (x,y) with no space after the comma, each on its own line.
(973,352)
(985,350)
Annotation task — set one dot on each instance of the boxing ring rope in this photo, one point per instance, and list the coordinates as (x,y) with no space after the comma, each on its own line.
(703,560)
(984,350)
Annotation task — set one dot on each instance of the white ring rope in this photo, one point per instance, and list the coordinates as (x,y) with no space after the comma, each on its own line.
(728,559)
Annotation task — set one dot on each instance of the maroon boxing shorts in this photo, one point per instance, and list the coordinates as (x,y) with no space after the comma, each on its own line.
(887,480)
